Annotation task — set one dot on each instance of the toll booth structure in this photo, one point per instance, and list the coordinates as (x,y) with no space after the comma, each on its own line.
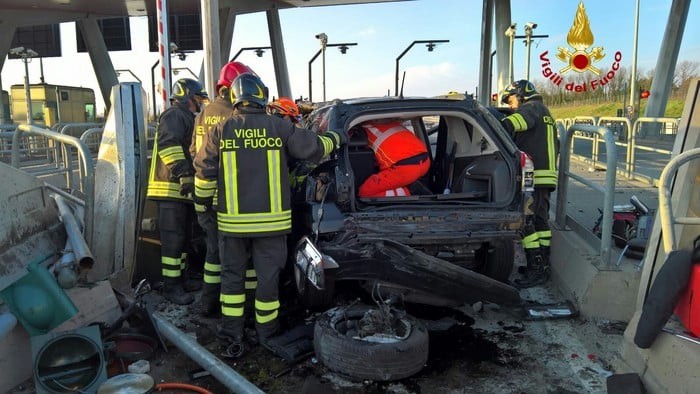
(52,104)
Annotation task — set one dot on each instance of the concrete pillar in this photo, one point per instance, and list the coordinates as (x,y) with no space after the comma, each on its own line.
(6,34)
(210,41)
(99,56)
(280,60)
(227,21)
(484,94)
(503,21)
(668,56)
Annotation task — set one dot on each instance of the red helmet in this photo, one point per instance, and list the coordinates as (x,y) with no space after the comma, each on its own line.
(284,106)
(230,71)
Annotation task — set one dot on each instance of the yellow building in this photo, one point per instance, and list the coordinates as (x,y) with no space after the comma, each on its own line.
(53,104)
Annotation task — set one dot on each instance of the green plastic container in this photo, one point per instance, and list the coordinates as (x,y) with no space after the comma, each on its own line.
(37,301)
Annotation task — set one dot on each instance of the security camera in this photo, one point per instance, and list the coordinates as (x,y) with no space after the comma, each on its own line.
(530,25)
(510,31)
(173,47)
(32,53)
(17,51)
(322,36)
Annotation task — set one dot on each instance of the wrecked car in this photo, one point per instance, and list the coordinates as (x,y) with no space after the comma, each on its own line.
(450,242)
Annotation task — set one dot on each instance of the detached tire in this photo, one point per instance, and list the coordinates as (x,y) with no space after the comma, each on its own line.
(362,359)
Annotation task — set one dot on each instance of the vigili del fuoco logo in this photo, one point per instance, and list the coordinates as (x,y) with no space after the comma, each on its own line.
(580,56)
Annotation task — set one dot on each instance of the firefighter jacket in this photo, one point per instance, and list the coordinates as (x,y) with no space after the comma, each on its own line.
(216,112)
(171,157)
(392,143)
(244,162)
(535,133)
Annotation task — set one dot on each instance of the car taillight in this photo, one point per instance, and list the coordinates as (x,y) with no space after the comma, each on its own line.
(528,172)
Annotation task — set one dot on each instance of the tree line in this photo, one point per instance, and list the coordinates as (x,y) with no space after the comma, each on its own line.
(615,89)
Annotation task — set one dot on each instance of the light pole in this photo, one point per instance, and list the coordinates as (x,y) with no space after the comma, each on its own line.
(259,51)
(26,54)
(343,48)
(430,44)
(323,39)
(529,27)
(510,33)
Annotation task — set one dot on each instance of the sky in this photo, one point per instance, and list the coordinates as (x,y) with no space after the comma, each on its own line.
(382,32)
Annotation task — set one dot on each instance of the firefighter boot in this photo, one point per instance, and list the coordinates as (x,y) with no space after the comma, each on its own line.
(209,304)
(538,273)
(192,281)
(174,292)
(231,330)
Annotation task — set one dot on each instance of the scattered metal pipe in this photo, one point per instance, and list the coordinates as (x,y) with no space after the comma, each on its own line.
(82,253)
(220,370)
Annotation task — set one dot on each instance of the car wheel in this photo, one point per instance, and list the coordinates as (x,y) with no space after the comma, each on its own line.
(344,343)
(500,261)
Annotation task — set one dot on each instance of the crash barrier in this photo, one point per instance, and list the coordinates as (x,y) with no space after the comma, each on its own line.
(32,148)
(607,189)
(630,136)
(85,164)
(668,221)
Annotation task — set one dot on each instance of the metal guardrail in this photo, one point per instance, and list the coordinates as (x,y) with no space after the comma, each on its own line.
(665,209)
(85,165)
(608,189)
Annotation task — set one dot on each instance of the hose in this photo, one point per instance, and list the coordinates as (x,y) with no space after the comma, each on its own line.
(182,386)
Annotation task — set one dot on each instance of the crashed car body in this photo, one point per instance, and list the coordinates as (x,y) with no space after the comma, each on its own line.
(450,242)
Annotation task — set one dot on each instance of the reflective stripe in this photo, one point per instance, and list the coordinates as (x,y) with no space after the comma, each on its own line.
(518,121)
(174,261)
(258,222)
(267,306)
(551,149)
(232,311)
(171,154)
(211,267)
(262,319)
(212,279)
(250,273)
(381,136)
(232,298)
(200,208)
(273,179)
(230,181)
(545,234)
(328,144)
(545,241)
(531,241)
(251,285)
(165,189)
(204,188)
(170,273)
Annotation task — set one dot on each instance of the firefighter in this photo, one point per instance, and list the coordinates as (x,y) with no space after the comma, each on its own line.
(534,131)
(171,185)
(244,162)
(285,108)
(219,110)
(401,156)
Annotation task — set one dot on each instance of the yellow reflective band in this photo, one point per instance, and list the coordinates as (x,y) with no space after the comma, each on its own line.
(255,227)
(545,177)
(171,154)
(544,242)
(204,188)
(250,274)
(273,179)
(328,144)
(230,180)
(530,238)
(251,285)
(232,311)
(519,123)
(200,208)
(232,298)
(260,222)
(211,267)
(266,306)
(551,151)
(531,245)
(545,234)
(262,319)
(170,273)
(172,261)
(212,279)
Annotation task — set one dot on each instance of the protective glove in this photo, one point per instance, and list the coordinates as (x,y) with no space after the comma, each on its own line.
(186,185)
(202,205)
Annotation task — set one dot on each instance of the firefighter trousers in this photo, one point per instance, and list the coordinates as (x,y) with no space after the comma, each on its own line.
(174,223)
(269,255)
(539,234)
